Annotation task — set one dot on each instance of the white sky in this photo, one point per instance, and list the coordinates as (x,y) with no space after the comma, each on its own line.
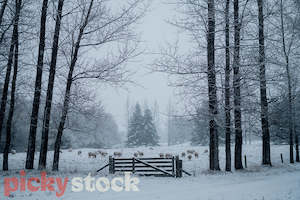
(154,87)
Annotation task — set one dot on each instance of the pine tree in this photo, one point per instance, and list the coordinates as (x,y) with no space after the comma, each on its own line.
(149,135)
(135,127)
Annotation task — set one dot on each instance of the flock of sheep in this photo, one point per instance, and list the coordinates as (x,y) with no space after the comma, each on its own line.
(189,154)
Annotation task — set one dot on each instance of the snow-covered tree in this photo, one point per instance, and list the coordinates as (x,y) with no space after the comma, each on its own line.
(135,127)
(149,135)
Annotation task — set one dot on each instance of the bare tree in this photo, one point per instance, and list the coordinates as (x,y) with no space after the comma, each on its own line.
(2,10)
(91,33)
(212,89)
(15,42)
(47,109)
(227,90)
(237,89)
(266,152)
(37,90)
(286,51)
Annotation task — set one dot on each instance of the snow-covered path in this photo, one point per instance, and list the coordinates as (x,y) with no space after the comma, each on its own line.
(285,186)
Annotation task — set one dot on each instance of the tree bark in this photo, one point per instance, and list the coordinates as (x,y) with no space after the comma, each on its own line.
(212,89)
(8,73)
(289,82)
(266,151)
(227,92)
(297,147)
(37,91)
(3,7)
(68,90)
(47,109)
(237,89)
(13,86)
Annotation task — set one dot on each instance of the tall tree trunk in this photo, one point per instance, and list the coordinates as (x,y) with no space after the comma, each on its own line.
(8,73)
(47,110)
(3,7)
(266,151)
(37,90)
(212,89)
(68,90)
(290,98)
(297,147)
(227,91)
(13,86)
(237,89)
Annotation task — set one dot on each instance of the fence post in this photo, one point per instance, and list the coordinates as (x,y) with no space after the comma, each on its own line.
(111,165)
(133,165)
(178,167)
(281,156)
(173,165)
(246,161)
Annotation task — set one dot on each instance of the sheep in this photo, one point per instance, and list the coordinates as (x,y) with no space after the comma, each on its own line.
(13,151)
(79,153)
(140,153)
(92,155)
(161,155)
(117,154)
(190,157)
(168,155)
(104,154)
(205,151)
(183,154)
(190,151)
(135,154)
(70,150)
(196,155)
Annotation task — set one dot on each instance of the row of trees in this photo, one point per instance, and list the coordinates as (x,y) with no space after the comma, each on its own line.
(68,33)
(141,128)
(244,55)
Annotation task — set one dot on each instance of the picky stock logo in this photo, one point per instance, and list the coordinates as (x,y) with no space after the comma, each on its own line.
(59,185)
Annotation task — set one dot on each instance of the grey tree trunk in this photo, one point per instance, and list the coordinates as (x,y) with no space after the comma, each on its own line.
(8,74)
(297,147)
(212,89)
(13,86)
(68,90)
(237,89)
(266,151)
(227,91)
(37,91)
(3,7)
(289,82)
(47,109)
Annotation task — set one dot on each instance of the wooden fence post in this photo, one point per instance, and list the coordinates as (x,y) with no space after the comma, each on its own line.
(281,156)
(133,165)
(173,165)
(111,165)
(246,161)
(178,167)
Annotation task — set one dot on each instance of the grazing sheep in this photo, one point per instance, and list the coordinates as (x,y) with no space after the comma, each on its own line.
(92,155)
(161,155)
(79,153)
(104,154)
(13,151)
(117,154)
(190,151)
(135,154)
(183,154)
(70,150)
(140,153)
(190,157)
(205,151)
(168,155)
(196,155)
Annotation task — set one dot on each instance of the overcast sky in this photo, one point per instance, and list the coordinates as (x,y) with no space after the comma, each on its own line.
(153,86)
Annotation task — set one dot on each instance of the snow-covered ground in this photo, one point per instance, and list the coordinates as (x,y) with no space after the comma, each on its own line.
(280,182)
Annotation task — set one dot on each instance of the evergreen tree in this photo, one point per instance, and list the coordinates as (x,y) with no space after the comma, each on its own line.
(149,135)
(135,127)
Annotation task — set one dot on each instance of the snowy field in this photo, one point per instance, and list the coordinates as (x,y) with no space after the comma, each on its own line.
(281,182)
